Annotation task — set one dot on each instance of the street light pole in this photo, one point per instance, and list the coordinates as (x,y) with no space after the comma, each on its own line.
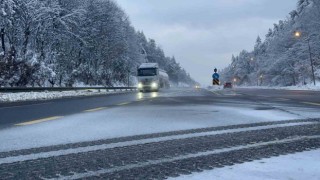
(128,78)
(311,61)
(144,52)
(2,40)
(298,35)
(261,78)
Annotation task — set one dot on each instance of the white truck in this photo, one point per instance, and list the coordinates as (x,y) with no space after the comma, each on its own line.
(152,78)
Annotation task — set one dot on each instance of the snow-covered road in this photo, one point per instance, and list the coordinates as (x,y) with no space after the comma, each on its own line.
(180,126)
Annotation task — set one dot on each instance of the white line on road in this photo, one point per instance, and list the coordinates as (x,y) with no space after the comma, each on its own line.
(312,103)
(283,99)
(138,142)
(166,160)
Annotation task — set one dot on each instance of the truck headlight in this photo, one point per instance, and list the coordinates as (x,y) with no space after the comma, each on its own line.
(154,85)
(140,85)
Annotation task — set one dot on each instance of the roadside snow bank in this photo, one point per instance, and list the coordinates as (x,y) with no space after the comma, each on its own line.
(305,165)
(28,96)
(306,87)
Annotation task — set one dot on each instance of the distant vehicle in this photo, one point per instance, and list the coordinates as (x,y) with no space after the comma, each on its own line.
(197,86)
(228,85)
(152,78)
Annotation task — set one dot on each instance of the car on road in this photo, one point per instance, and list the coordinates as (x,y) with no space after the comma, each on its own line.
(228,85)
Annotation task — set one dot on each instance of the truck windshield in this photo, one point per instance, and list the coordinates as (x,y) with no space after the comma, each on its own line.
(147,72)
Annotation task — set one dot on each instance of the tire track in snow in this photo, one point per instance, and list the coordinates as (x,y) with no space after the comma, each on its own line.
(126,160)
(147,136)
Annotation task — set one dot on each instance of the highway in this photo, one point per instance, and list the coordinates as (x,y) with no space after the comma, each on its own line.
(15,113)
(154,135)
(21,112)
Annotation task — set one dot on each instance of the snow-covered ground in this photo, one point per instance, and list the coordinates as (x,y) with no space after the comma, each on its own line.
(306,87)
(28,96)
(304,165)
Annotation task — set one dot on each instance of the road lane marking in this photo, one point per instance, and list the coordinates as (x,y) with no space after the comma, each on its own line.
(311,103)
(122,104)
(39,121)
(215,93)
(283,99)
(95,109)
(89,148)
(232,93)
(264,96)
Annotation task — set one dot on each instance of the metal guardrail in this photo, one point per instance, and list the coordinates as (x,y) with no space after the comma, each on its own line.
(42,89)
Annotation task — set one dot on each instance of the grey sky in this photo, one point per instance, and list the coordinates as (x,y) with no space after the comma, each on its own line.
(203,34)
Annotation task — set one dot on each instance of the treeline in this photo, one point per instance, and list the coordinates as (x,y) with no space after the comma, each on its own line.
(69,42)
(283,58)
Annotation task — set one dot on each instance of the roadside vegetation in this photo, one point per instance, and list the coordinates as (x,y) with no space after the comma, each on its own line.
(69,42)
(283,58)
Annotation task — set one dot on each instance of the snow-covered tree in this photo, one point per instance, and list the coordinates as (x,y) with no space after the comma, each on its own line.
(283,59)
(63,42)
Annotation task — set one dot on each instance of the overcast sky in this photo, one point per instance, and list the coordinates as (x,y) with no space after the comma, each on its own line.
(203,34)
